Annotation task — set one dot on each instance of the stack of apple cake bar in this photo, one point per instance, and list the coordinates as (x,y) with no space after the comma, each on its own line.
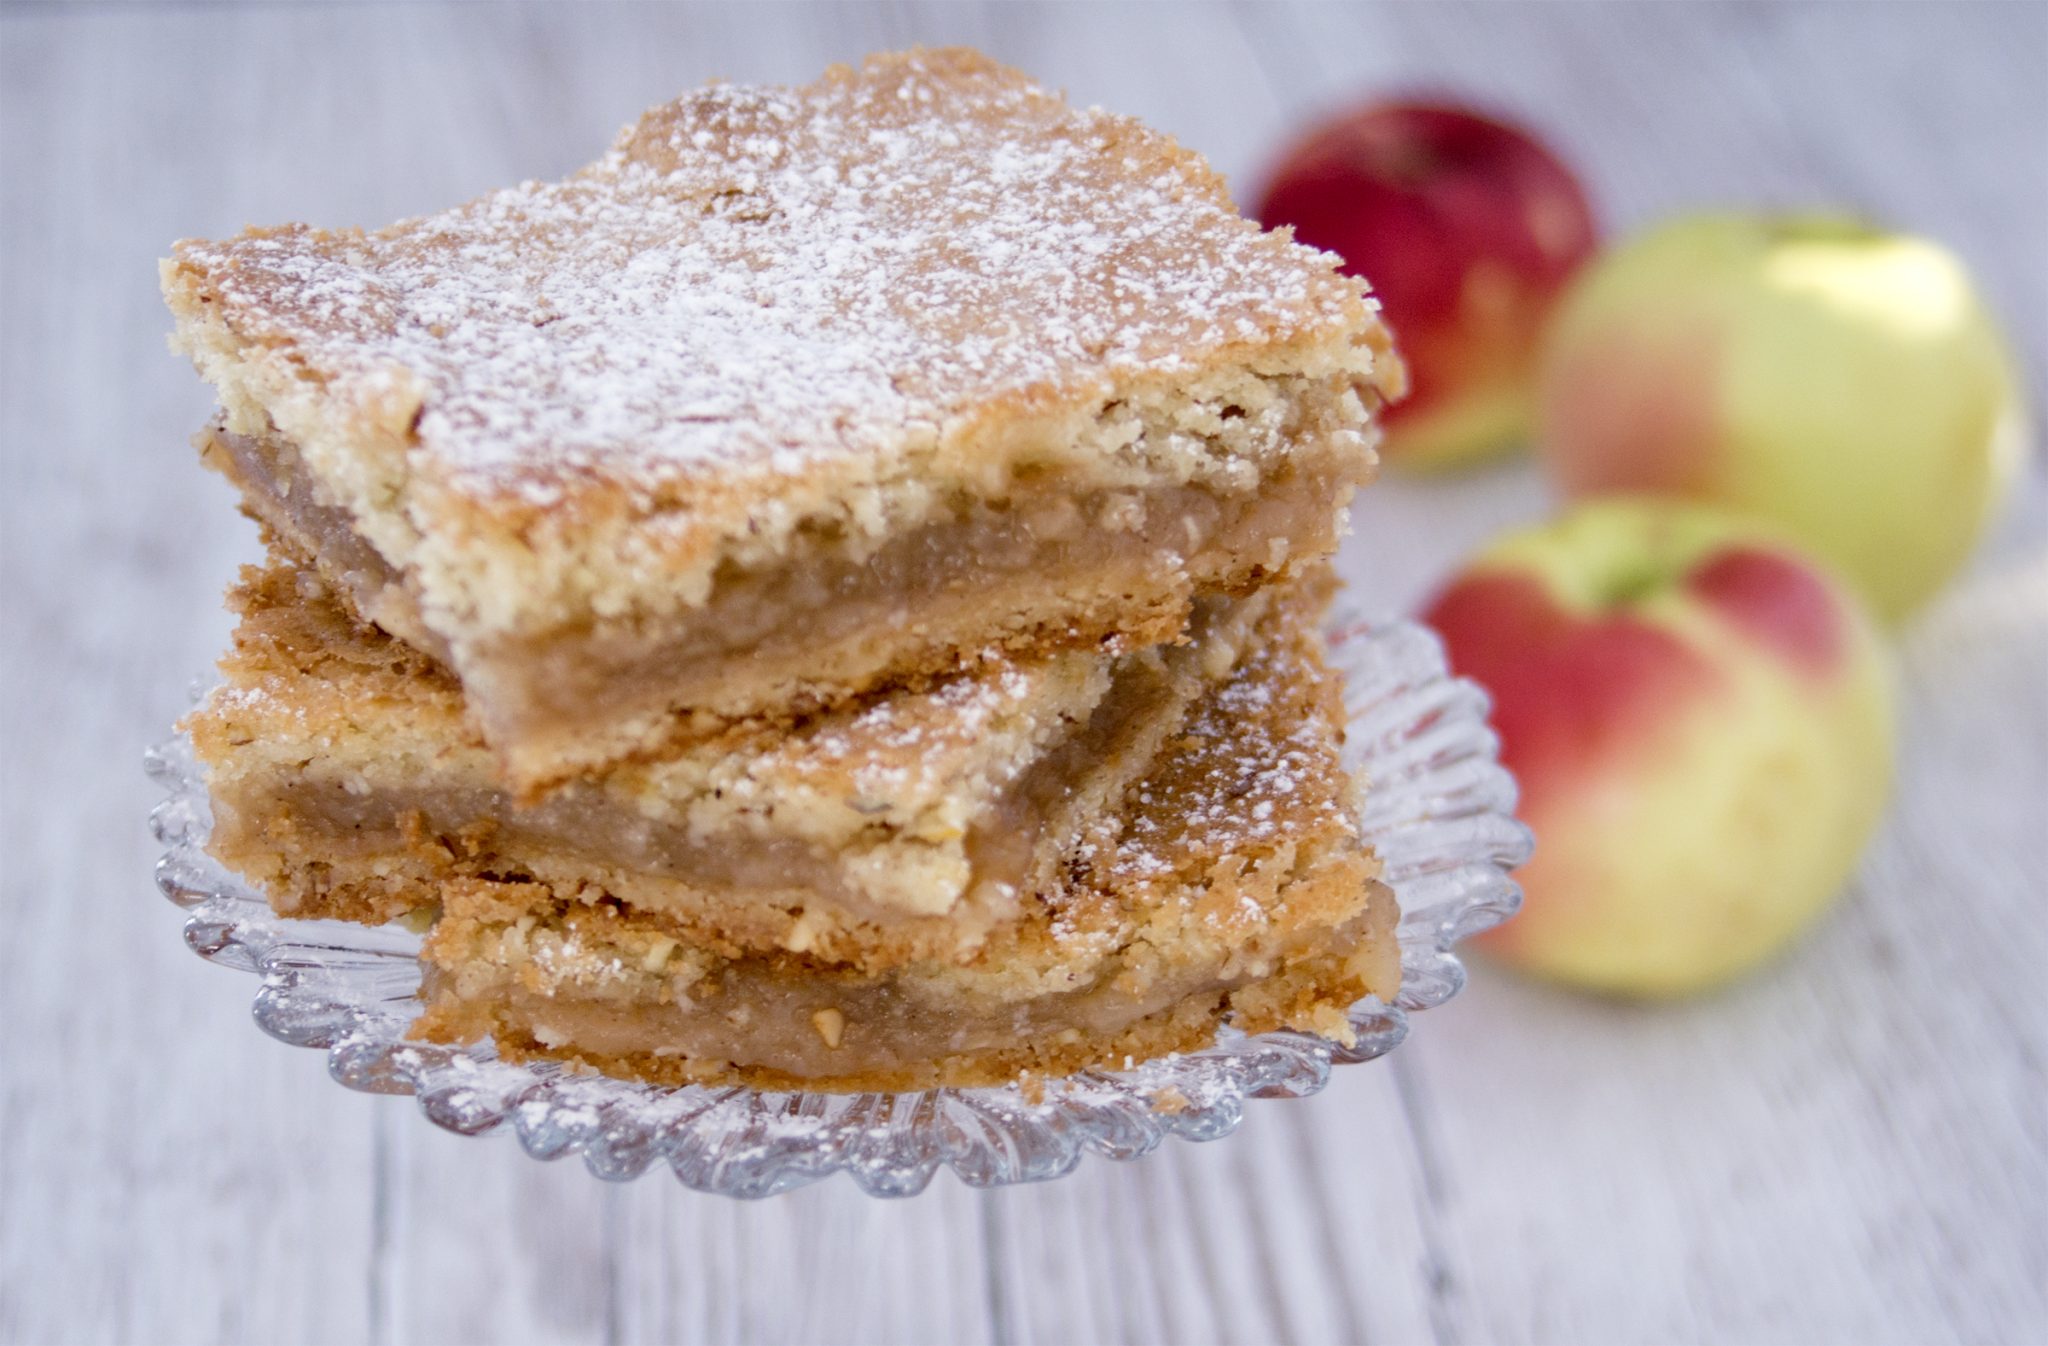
(826,595)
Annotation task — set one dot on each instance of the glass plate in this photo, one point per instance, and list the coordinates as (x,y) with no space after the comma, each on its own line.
(1439,810)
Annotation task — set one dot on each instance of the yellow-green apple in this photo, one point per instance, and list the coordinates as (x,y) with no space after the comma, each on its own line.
(1700,718)
(1843,381)
(1468,228)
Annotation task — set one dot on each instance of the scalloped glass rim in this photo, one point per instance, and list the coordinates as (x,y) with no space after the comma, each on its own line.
(1440,810)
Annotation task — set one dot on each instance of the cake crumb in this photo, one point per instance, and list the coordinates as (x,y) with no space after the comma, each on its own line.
(657,954)
(1170,1101)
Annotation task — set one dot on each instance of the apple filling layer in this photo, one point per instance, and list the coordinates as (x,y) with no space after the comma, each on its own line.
(346,783)
(1048,565)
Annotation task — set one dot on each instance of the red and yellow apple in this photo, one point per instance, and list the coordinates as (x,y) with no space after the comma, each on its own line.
(1468,228)
(1700,718)
(1842,381)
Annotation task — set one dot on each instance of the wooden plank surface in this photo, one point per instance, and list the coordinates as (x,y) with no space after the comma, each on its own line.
(1849,1148)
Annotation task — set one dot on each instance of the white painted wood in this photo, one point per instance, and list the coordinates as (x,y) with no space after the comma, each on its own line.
(165,1173)
(821,1264)
(1849,1148)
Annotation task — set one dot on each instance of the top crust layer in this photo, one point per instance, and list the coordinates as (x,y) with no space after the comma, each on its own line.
(764,310)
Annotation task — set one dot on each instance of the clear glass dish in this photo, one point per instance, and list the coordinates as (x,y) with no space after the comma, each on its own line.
(1439,810)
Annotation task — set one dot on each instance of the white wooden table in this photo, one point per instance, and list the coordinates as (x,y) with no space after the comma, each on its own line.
(1851,1147)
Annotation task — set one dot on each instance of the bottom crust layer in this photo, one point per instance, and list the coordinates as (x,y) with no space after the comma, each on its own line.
(780,1046)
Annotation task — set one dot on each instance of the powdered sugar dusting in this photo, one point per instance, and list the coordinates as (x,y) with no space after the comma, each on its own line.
(1255,766)
(753,278)
(899,743)
(1266,769)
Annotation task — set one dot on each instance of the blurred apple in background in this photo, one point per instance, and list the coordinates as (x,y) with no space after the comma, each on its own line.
(1701,722)
(1467,228)
(1840,380)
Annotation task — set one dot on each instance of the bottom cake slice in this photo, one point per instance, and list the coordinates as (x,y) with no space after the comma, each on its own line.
(1230,887)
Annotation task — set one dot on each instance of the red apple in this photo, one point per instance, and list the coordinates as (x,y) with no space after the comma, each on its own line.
(1700,718)
(1467,227)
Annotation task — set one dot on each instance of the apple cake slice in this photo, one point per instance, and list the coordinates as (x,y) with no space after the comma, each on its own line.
(348,784)
(1228,885)
(795,393)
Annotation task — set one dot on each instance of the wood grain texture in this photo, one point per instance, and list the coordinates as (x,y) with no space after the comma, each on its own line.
(1849,1148)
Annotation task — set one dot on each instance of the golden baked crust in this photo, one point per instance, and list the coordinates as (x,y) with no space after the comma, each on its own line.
(779,326)
(346,782)
(1231,886)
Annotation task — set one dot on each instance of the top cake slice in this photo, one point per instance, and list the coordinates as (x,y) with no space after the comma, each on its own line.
(793,393)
